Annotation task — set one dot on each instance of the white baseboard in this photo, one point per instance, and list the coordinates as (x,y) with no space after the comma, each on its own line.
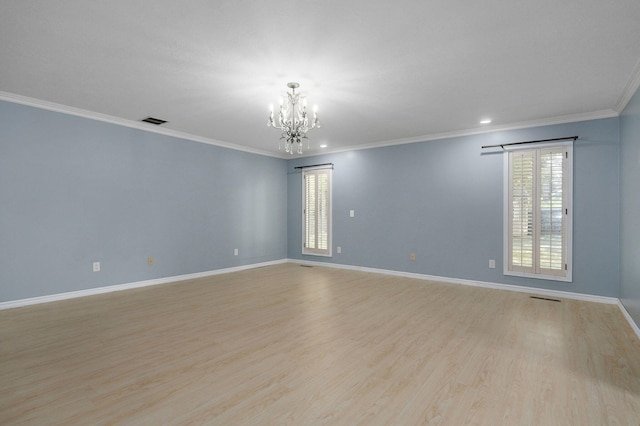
(630,320)
(484,284)
(530,290)
(108,289)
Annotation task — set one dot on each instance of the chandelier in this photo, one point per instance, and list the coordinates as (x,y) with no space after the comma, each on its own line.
(293,120)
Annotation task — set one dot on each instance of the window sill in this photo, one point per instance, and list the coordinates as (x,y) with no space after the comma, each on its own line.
(307,253)
(566,279)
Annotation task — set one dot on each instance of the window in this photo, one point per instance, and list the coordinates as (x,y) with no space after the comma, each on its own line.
(538,212)
(316,213)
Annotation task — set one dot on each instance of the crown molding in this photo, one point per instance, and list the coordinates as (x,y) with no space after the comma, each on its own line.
(78,112)
(564,119)
(629,89)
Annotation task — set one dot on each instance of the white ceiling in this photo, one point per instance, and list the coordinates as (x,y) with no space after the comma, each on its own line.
(380,71)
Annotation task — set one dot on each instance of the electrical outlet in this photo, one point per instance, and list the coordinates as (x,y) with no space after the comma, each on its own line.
(235,252)
(339,249)
(96,266)
(352,213)
(492,264)
(412,257)
(150,261)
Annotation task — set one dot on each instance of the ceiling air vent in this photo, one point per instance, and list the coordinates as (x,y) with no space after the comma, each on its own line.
(153,120)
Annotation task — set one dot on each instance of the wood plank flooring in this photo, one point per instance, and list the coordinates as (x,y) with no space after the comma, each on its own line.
(304,346)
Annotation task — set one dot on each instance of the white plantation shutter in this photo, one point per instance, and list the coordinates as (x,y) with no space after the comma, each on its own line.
(316,215)
(551,232)
(522,194)
(310,209)
(538,212)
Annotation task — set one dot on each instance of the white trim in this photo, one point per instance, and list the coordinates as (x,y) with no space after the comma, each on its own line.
(119,287)
(505,209)
(630,320)
(538,145)
(101,290)
(318,167)
(571,118)
(78,112)
(559,278)
(629,89)
(564,119)
(471,283)
(315,252)
(484,284)
(506,202)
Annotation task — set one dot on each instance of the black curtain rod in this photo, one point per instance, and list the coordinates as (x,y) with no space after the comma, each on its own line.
(502,145)
(314,165)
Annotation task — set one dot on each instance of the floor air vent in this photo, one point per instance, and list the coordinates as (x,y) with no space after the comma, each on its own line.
(546,298)
(307,266)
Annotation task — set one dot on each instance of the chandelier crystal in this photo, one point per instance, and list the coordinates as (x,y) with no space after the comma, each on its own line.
(293,120)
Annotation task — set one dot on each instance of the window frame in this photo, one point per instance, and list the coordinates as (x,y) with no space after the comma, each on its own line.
(567,204)
(315,251)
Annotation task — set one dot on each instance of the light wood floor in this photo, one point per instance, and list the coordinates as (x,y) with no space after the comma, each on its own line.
(304,346)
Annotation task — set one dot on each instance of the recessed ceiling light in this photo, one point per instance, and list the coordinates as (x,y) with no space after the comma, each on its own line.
(324,145)
(485,121)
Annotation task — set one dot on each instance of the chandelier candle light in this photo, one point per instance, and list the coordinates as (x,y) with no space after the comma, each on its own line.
(293,120)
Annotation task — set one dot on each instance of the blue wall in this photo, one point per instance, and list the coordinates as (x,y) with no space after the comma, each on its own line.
(443,200)
(74,191)
(630,208)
